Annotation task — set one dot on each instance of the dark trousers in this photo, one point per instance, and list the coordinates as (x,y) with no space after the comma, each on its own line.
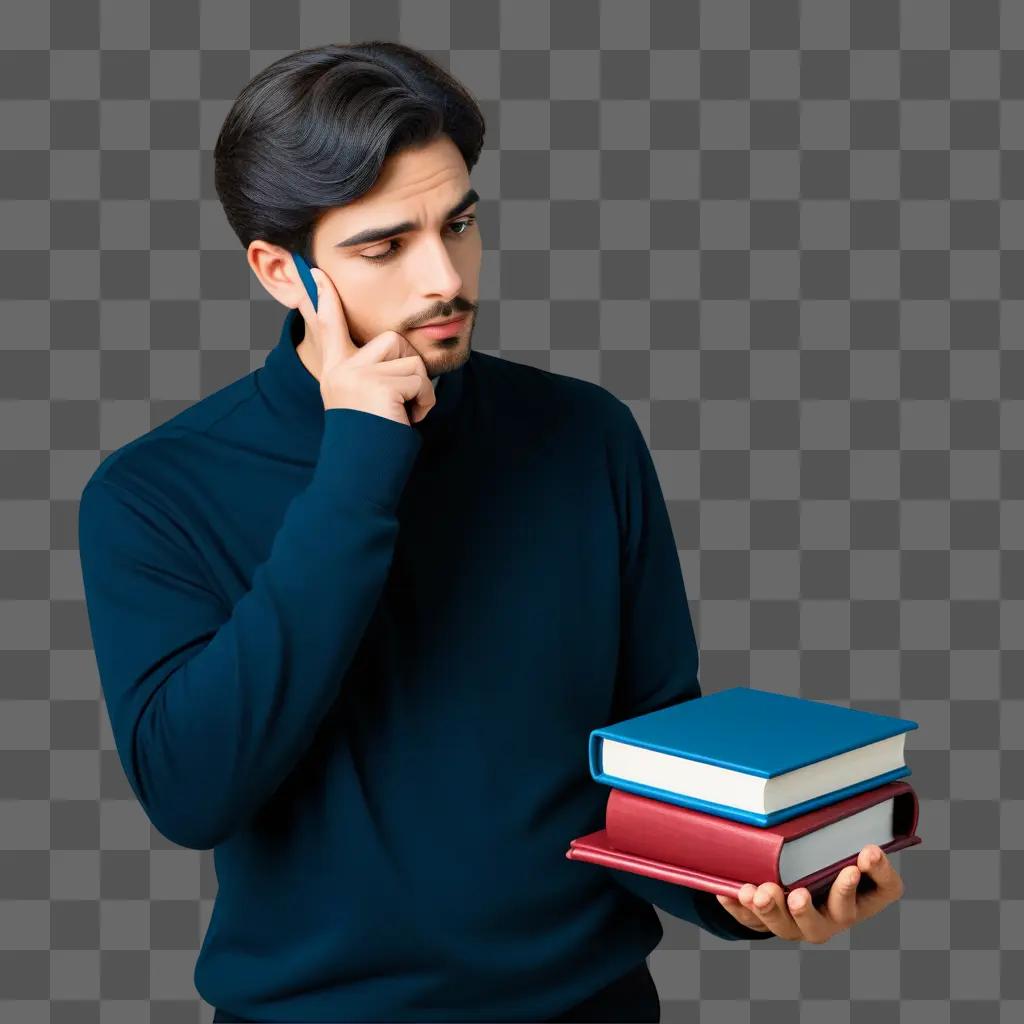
(632,998)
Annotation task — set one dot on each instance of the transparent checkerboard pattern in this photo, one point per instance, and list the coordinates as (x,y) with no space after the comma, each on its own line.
(790,236)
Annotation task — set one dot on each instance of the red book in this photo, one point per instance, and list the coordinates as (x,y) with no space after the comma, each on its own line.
(704,851)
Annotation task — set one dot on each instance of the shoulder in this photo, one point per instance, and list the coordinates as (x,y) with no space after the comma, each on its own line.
(133,461)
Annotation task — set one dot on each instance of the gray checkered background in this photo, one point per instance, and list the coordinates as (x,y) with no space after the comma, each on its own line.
(789,235)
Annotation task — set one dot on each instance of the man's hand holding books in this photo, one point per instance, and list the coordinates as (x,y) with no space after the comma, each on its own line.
(807,797)
(765,908)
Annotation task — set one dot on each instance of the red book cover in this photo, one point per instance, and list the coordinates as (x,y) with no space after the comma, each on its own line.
(704,851)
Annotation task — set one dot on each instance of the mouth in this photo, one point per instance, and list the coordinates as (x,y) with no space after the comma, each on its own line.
(443,329)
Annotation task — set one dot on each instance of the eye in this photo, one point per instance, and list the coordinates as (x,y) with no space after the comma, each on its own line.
(466,222)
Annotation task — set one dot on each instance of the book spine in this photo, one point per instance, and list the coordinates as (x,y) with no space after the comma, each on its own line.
(700,842)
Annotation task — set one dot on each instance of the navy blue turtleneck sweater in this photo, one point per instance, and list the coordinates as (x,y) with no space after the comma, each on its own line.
(360,660)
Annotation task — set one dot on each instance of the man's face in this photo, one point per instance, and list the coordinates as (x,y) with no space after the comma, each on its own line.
(427,272)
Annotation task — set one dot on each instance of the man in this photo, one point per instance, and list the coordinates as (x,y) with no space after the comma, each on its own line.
(353,633)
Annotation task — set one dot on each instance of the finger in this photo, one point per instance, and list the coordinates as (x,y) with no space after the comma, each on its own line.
(403,365)
(740,912)
(426,397)
(811,924)
(418,394)
(390,347)
(768,905)
(332,325)
(841,905)
(873,863)
(387,345)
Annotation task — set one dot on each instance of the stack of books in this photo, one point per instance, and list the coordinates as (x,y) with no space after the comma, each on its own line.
(746,785)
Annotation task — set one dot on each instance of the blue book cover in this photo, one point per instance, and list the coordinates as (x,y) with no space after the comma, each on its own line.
(756,732)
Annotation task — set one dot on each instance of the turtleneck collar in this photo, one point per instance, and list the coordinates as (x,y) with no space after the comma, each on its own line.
(294,392)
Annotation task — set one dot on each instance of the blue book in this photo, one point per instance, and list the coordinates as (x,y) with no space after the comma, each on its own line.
(750,755)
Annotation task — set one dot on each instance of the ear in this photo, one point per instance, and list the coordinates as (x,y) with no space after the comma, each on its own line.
(276,271)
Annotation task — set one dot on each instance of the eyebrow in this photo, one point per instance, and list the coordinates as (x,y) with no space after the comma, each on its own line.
(380,234)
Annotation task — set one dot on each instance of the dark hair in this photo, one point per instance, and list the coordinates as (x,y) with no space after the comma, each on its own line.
(312,130)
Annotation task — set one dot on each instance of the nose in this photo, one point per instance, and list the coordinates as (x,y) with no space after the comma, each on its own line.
(440,277)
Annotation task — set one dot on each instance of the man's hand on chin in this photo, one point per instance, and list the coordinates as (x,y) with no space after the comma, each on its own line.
(798,920)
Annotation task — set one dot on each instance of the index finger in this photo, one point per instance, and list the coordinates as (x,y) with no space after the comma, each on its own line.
(332,327)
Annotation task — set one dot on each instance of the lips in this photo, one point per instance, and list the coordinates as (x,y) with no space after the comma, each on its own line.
(445,323)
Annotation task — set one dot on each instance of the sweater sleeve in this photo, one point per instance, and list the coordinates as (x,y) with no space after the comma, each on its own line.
(211,706)
(658,655)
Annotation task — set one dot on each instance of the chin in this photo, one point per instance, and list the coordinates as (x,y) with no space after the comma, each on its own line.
(445,356)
